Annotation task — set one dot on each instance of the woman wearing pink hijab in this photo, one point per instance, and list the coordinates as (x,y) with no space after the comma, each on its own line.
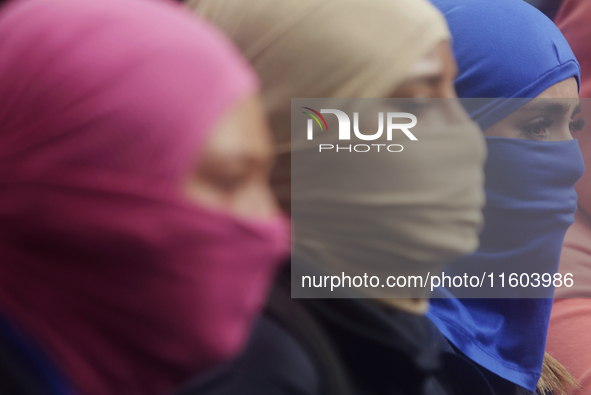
(138,235)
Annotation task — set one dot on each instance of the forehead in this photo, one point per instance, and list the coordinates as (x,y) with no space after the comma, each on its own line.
(432,63)
(241,132)
(566,89)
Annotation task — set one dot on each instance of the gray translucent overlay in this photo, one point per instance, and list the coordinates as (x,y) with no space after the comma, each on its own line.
(387,199)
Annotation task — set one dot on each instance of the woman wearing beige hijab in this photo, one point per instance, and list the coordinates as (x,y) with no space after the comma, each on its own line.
(423,208)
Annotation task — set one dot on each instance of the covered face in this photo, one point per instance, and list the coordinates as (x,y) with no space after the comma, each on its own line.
(423,204)
(106,260)
(518,79)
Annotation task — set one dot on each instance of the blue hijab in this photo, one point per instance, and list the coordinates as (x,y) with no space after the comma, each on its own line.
(508,49)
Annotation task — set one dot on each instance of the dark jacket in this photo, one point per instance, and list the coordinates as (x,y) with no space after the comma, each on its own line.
(24,367)
(342,346)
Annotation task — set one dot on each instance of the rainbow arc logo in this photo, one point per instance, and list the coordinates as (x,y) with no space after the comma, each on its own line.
(315,117)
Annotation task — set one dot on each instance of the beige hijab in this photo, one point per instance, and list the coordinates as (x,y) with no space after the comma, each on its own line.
(324,48)
(361,48)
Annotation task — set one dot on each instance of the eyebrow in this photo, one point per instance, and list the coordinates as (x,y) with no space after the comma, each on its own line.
(252,160)
(556,107)
(577,111)
(429,79)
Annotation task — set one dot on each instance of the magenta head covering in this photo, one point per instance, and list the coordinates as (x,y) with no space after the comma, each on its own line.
(127,286)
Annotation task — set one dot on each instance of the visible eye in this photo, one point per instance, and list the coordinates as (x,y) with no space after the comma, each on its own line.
(538,128)
(577,125)
(231,181)
(414,105)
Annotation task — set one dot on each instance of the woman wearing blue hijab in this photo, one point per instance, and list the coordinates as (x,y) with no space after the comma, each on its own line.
(508,49)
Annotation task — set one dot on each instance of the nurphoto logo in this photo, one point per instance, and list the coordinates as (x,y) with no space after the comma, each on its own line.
(344,132)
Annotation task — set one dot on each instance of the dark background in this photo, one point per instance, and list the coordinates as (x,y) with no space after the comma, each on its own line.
(548,7)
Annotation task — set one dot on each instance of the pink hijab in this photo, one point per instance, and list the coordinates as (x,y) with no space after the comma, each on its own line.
(129,288)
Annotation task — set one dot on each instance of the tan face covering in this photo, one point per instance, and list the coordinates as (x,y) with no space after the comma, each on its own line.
(384,213)
(427,205)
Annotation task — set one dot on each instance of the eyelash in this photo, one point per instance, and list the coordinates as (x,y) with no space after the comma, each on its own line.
(537,127)
(414,106)
(577,125)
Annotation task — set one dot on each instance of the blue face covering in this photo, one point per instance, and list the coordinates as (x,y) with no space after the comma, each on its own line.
(531,202)
(508,49)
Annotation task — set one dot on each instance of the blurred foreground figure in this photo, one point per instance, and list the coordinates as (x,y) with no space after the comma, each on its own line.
(513,56)
(570,324)
(138,233)
(424,206)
